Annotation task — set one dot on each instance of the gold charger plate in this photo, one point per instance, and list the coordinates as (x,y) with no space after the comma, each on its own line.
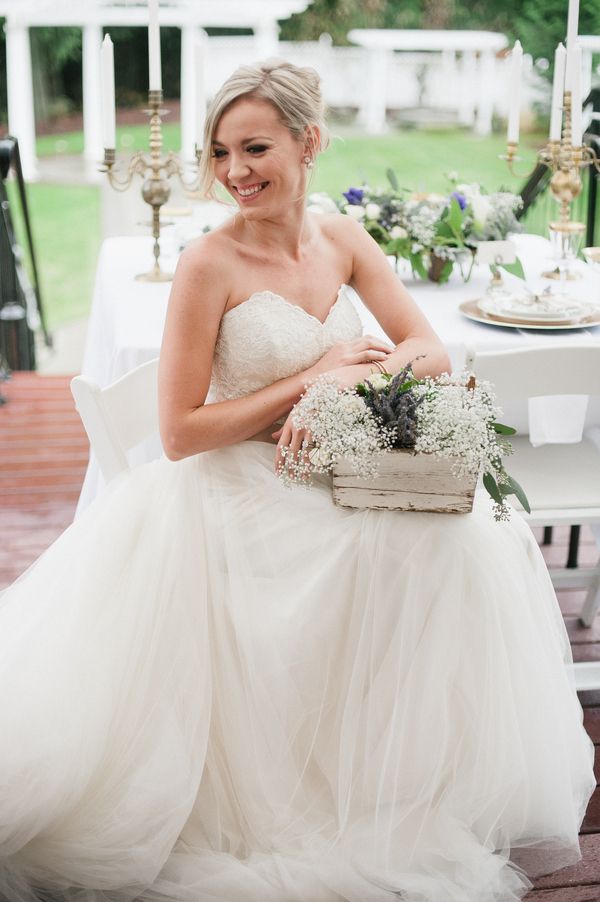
(471,310)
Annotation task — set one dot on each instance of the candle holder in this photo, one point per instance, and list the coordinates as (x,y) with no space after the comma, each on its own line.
(565,161)
(156,169)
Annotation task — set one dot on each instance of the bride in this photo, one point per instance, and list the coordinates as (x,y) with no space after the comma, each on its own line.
(217,689)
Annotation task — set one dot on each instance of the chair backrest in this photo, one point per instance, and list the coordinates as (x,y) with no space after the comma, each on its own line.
(539,371)
(120,416)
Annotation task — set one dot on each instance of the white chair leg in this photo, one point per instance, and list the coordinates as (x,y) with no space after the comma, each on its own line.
(590,605)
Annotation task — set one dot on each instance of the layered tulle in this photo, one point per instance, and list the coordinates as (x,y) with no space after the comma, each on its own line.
(217,689)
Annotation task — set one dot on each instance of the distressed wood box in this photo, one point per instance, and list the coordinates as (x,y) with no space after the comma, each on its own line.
(406,482)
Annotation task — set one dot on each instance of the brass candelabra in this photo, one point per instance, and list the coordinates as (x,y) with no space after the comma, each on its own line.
(156,169)
(565,161)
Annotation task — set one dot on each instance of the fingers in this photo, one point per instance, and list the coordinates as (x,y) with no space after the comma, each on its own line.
(292,449)
(285,434)
(376,344)
(365,349)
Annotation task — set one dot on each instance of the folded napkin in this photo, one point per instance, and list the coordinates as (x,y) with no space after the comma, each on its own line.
(559,419)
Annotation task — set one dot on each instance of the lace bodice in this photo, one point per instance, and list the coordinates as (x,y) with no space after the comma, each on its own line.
(267,338)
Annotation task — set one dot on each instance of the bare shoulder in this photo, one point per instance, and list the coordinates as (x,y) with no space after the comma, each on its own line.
(339,227)
(202,273)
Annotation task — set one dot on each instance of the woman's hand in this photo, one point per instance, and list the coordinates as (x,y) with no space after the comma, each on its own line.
(295,441)
(365,349)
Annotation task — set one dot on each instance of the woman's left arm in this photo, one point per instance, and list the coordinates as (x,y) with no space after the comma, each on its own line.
(385,296)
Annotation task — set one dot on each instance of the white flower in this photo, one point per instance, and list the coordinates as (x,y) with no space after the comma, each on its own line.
(351,404)
(481,206)
(398,232)
(321,202)
(373,211)
(318,458)
(378,381)
(341,425)
(355,211)
(469,191)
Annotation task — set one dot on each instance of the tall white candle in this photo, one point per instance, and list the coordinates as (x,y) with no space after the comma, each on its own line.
(107,68)
(576,127)
(514,111)
(558,88)
(199,57)
(572,28)
(154,47)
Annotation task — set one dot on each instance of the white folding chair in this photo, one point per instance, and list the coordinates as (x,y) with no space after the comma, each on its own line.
(120,416)
(561,481)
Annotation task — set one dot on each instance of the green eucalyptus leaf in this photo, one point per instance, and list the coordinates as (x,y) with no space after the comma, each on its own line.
(515,268)
(455,216)
(391,177)
(501,429)
(446,272)
(517,490)
(416,262)
(492,488)
(444,229)
(398,246)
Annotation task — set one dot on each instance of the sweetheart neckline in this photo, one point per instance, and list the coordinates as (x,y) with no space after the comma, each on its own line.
(280,297)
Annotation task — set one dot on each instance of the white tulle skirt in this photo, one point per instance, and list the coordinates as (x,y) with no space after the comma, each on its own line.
(217,689)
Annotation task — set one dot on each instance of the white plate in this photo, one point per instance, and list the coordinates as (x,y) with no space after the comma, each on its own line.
(471,310)
(544,310)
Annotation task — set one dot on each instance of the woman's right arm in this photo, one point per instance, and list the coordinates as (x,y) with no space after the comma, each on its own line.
(196,305)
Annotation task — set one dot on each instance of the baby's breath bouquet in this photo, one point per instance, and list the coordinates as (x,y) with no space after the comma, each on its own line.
(450,417)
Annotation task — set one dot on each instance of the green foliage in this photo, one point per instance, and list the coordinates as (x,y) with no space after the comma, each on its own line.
(539,26)
(338,17)
(66,232)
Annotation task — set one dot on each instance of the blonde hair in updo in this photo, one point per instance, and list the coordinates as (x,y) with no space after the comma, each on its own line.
(294,92)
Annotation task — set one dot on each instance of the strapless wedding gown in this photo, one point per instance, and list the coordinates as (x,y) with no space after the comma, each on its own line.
(214,688)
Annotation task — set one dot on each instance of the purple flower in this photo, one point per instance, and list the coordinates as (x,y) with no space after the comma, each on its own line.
(460,198)
(354,195)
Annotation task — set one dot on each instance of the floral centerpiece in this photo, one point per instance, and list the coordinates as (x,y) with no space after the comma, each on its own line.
(451,419)
(434,232)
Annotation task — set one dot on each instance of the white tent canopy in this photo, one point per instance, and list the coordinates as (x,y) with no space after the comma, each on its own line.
(91,16)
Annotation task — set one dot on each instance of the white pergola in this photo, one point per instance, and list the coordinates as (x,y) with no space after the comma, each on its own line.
(191,16)
(478,51)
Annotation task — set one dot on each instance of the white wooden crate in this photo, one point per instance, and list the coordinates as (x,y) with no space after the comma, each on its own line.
(405,481)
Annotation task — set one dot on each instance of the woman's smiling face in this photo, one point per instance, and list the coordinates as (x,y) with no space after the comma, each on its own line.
(257,159)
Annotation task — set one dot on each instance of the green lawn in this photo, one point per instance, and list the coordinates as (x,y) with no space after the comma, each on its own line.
(129,137)
(66,233)
(420,160)
(66,220)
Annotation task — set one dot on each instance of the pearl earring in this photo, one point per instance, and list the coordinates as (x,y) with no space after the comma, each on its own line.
(308,161)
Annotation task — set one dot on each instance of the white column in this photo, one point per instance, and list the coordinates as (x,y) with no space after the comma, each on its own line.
(373,106)
(468,87)
(586,75)
(325,63)
(19,83)
(92,113)
(485,83)
(448,89)
(266,36)
(190,101)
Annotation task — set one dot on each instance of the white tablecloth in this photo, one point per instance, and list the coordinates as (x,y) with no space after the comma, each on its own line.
(127,321)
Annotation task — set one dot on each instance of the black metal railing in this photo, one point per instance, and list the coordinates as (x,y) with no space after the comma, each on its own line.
(21,311)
